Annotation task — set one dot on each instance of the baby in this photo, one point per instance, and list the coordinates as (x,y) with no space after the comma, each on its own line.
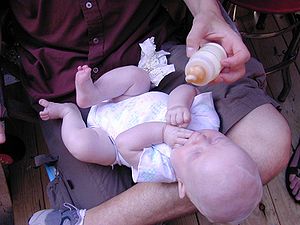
(147,131)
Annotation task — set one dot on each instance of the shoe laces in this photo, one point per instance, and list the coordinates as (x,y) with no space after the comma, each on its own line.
(71,214)
(70,206)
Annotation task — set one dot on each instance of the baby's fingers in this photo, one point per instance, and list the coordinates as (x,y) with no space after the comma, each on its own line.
(171,118)
(180,142)
(184,133)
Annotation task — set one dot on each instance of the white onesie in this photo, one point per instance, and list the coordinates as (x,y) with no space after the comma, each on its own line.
(154,164)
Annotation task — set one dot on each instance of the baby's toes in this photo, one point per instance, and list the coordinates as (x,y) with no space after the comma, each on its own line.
(43,103)
(44,115)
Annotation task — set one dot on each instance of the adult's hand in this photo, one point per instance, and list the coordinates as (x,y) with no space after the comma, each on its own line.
(209,26)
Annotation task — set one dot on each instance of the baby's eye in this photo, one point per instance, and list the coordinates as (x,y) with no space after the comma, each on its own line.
(216,140)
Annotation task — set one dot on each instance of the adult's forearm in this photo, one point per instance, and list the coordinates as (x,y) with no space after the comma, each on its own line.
(144,203)
(198,6)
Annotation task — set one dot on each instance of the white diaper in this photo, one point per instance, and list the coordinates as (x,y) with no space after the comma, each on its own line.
(155,63)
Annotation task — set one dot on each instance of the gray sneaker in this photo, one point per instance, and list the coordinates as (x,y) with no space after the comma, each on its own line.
(70,216)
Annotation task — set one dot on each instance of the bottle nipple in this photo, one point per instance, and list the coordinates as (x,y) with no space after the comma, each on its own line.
(195,74)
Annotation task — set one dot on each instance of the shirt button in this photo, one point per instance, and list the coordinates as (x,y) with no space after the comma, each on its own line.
(93,77)
(95,40)
(95,70)
(88,5)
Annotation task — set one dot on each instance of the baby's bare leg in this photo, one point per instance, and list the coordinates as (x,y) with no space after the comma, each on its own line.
(117,84)
(86,144)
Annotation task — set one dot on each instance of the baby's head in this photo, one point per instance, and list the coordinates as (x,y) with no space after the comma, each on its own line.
(218,176)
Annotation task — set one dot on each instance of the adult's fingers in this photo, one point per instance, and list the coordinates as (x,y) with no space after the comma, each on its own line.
(230,75)
(196,36)
(237,52)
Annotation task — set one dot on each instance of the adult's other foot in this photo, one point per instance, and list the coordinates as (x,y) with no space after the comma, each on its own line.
(292,175)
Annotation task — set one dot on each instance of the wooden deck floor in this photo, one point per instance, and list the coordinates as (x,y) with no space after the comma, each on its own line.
(27,184)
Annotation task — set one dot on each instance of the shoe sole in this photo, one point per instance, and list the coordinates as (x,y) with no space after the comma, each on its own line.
(39,218)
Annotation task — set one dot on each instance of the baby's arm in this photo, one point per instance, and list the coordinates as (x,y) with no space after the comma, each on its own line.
(179,104)
(131,143)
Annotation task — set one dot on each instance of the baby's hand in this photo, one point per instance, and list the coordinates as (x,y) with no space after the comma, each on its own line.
(178,116)
(176,136)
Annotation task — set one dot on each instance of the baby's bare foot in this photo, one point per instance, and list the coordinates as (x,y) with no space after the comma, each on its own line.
(54,110)
(84,87)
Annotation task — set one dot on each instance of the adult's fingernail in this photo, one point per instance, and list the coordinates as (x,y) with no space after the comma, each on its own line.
(225,63)
(190,51)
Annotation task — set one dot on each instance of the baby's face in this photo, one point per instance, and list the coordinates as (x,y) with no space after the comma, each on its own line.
(199,147)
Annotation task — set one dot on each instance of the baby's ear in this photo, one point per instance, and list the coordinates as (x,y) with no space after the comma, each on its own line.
(181,189)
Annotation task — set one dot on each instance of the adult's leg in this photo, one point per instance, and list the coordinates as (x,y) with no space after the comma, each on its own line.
(144,203)
(261,130)
(266,136)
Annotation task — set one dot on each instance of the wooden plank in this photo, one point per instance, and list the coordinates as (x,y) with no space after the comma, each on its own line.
(42,149)
(287,210)
(6,211)
(26,189)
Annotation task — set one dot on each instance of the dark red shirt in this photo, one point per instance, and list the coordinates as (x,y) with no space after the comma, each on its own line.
(57,36)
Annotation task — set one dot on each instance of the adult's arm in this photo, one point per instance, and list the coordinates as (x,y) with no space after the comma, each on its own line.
(144,203)
(210,26)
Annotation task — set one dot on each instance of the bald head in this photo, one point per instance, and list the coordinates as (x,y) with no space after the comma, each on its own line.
(226,185)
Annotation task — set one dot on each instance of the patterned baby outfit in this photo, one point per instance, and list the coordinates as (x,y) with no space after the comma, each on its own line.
(154,164)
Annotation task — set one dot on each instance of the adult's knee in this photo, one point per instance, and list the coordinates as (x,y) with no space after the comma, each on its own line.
(282,146)
(265,135)
(278,137)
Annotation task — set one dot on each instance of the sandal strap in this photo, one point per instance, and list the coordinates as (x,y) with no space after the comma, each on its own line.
(294,170)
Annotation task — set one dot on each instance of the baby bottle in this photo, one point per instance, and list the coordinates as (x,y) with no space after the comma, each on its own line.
(205,64)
